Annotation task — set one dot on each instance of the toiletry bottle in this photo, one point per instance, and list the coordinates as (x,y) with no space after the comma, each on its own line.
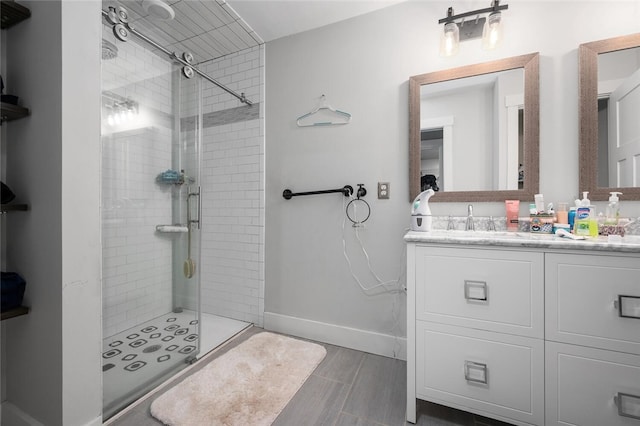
(613,209)
(571,217)
(561,214)
(513,208)
(593,222)
(539,199)
(583,216)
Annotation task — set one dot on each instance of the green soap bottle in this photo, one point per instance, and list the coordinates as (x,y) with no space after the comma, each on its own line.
(593,222)
(583,218)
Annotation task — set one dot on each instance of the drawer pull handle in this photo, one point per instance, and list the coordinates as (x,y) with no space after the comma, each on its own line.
(475,372)
(476,291)
(628,405)
(628,306)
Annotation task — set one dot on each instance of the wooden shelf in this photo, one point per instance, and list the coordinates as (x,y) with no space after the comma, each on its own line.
(13,207)
(12,13)
(12,112)
(16,312)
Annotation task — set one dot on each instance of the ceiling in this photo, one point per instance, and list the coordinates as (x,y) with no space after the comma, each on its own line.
(273,19)
(211,29)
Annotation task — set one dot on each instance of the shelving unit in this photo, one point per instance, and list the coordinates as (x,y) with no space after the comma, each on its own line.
(16,312)
(12,13)
(9,112)
(4,208)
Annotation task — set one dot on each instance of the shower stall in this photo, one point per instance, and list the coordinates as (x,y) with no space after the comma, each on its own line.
(152,213)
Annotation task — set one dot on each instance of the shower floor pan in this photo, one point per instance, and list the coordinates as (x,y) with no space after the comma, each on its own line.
(137,359)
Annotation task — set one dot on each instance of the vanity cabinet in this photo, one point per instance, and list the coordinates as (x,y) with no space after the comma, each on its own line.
(479,325)
(592,328)
(527,335)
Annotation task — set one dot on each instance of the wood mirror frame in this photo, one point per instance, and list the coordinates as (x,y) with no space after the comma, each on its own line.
(588,82)
(530,63)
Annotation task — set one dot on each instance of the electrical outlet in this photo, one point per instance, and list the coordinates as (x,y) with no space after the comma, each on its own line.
(383,190)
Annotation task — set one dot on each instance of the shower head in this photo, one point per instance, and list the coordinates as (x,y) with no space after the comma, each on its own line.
(158,9)
(109,50)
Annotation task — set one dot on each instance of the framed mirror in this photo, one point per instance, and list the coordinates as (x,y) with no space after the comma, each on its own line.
(474,131)
(609,126)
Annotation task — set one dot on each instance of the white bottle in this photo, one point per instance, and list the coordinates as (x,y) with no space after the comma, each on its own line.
(421,212)
(613,209)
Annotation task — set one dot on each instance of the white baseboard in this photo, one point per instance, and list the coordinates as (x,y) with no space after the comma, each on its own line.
(14,416)
(95,422)
(353,338)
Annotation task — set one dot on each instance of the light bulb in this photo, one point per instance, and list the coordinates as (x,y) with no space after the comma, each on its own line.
(492,32)
(450,40)
(110,120)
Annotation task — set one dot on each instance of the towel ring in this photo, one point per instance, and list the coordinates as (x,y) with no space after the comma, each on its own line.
(356,223)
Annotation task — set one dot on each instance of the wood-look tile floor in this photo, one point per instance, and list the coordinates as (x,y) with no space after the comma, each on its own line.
(349,388)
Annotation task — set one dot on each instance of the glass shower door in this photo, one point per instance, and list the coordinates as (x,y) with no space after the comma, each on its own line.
(150,222)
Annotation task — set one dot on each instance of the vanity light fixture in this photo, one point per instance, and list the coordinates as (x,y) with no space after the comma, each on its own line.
(457,28)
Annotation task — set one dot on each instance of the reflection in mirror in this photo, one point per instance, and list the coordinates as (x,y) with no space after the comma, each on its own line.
(474,131)
(618,103)
(609,125)
(471,132)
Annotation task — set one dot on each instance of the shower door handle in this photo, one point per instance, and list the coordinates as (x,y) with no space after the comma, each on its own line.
(199,206)
(196,195)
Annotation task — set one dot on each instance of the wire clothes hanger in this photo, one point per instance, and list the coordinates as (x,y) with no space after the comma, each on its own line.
(324,115)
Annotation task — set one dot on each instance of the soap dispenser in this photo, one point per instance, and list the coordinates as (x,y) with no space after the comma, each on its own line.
(613,209)
(583,215)
(421,212)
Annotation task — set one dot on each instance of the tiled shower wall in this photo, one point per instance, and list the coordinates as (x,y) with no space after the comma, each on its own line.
(233,189)
(136,262)
(137,269)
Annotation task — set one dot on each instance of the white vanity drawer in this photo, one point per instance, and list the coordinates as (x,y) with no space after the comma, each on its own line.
(580,295)
(496,290)
(582,385)
(452,362)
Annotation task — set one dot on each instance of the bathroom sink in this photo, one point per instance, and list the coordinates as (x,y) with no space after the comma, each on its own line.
(478,234)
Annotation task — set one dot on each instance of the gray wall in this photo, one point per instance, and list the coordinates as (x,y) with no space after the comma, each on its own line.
(362,65)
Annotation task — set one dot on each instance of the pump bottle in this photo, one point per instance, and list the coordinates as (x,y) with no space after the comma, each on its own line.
(421,212)
(585,220)
(613,209)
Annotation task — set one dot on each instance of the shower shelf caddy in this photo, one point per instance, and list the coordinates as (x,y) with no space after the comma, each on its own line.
(12,13)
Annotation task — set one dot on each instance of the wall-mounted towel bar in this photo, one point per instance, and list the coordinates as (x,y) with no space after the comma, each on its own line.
(346,190)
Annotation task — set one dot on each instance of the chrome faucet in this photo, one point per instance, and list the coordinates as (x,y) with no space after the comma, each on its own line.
(491,226)
(451,224)
(470,226)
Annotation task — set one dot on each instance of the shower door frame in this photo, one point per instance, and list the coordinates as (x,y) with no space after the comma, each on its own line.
(125,144)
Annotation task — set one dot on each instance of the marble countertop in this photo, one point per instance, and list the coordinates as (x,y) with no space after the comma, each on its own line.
(626,244)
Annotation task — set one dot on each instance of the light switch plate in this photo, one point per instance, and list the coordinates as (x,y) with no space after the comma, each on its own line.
(383,190)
